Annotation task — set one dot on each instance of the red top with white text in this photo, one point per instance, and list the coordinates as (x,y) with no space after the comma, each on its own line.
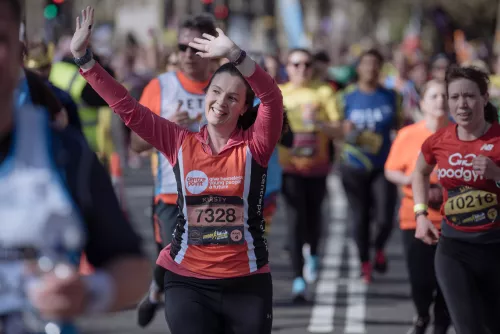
(470,201)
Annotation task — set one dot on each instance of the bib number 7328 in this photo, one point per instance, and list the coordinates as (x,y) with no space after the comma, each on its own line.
(217,215)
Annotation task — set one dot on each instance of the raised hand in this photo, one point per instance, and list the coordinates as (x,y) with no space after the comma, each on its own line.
(216,47)
(83,31)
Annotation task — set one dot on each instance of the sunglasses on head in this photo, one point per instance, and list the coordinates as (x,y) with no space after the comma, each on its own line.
(306,64)
(185,47)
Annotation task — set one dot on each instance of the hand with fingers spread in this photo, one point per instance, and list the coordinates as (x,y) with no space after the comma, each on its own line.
(83,31)
(216,47)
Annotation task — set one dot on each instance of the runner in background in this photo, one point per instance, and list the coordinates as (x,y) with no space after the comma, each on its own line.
(179,97)
(398,170)
(468,157)
(322,62)
(371,114)
(39,60)
(132,71)
(439,65)
(64,75)
(217,280)
(401,83)
(274,171)
(310,107)
(34,89)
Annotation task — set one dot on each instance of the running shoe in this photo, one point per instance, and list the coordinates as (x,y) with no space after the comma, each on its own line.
(146,311)
(299,290)
(366,272)
(310,271)
(420,325)
(380,264)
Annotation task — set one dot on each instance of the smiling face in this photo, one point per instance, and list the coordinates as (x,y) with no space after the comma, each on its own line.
(225,100)
(466,103)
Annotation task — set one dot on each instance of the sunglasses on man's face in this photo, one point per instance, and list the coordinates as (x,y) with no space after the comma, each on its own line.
(185,47)
(305,64)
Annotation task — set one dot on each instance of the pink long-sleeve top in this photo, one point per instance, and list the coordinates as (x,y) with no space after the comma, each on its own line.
(247,256)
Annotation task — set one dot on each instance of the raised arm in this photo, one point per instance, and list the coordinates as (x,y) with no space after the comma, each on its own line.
(162,134)
(264,134)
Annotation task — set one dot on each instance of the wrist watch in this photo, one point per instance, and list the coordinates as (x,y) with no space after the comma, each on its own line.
(84,59)
(240,58)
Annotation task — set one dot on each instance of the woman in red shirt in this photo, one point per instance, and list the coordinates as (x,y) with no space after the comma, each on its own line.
(217,274)
(467,155)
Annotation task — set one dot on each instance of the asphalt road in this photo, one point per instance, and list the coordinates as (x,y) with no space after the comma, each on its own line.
(341,302)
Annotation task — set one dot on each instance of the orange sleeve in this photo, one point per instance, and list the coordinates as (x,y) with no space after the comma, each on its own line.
(151,96)
(396,161)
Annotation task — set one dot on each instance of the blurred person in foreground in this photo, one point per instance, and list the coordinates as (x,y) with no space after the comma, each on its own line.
(310,107)
(56,200)
(39,60)
(179,97)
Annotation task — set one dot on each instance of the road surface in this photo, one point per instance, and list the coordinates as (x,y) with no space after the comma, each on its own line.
(342,303)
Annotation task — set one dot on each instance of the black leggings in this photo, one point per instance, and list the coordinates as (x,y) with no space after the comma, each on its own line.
(367,191)
(240,305)
(469,276)
(424,288)
(303,198)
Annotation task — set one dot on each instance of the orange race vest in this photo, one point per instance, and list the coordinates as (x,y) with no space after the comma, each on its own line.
(221,229)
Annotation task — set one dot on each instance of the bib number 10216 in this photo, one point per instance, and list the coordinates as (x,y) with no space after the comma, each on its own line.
(470,201)
(215,215)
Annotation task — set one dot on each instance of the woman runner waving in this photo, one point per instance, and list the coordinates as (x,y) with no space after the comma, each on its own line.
(217,279)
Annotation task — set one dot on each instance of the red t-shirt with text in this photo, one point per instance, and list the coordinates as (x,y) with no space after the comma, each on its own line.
(471,202)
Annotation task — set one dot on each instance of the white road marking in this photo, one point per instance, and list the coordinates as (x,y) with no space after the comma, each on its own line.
(356,295)
(323,311)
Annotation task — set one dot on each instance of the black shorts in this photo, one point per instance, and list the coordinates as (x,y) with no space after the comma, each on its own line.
(164,222)
(240,305)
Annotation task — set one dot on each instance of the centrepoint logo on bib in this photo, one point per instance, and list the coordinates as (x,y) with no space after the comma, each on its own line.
(196,182)
(463,168)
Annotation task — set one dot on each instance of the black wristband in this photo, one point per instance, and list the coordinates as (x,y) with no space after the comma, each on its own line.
(240,58)
(85,59)
(421,213)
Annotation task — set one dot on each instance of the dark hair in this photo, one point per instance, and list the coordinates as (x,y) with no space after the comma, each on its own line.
(480,79)
(131,40)
(204,23)
(371,52)
(322,56)
(307,52)
(248,118)
(16,8)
